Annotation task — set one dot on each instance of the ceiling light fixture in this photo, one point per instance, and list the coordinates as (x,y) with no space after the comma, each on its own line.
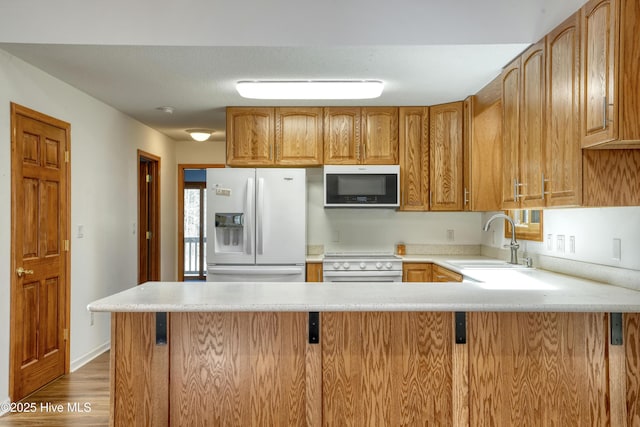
(166,109)
(200,135)
(310,89)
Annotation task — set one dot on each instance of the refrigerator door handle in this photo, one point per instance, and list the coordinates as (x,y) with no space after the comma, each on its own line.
(259,218)
(249,221)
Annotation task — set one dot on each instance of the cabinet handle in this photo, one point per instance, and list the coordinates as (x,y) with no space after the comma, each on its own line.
(515,189)
(358,152)
(543,185)
(364,152)
(466,196)
(278,152)
(319,275)
(604,112)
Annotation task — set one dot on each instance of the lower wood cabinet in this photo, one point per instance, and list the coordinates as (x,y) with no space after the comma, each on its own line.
(375,369)
(314,272)
(441,274)
(416,271)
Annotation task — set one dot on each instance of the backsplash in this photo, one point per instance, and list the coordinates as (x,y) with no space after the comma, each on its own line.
(379,229)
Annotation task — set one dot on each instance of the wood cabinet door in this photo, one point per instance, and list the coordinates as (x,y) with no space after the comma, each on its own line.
(250,136)
(380,135)
(441,274)
(598,53)
(532,126)
(510,134)
(538,369)
(563,165)
(314,272)
(414,158)
(298,136)
(391,369)
(342,136)
(445,157)
(416,272)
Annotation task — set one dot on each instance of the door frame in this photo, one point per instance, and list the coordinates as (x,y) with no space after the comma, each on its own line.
(16,110)
(153,218)
(181,169)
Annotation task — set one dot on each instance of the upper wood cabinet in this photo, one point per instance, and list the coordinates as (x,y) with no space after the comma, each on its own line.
(354,135)
(342,135)
(610,85)
(274,136)
(483,149)
(299,136)
(523,101)
(380,135)
(563,154)
(250,136)
(445,157)
(414,158)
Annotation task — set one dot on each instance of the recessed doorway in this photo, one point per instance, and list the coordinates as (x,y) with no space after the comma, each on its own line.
(192,221)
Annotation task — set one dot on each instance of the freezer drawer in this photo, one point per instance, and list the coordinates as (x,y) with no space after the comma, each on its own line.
(256,273)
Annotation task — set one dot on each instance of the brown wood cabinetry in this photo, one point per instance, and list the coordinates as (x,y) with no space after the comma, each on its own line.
(483,149)
(414,158)
(441,274)
(250,136)
(523,100)
(274,136)
(342,135)
(380,135)
(563,154)
(445,157)
(354,135)
(314,272)
(385,368)
(416,272)
(298,136)
(610,66)
(374,369)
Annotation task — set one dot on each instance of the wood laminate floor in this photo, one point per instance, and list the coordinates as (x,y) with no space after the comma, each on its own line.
(77,399)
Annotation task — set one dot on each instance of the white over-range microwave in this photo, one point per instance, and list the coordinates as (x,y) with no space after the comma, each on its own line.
(361,186)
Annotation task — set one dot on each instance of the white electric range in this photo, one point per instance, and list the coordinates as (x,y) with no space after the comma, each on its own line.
(361,267)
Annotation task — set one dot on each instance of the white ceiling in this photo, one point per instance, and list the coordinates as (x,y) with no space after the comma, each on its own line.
(137,56)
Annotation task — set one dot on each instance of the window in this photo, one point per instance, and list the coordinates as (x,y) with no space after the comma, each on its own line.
(528,224)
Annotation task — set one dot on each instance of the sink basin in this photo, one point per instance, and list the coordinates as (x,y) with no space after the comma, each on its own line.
(484,264)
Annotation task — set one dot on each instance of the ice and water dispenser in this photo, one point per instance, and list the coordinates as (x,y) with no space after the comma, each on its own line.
(229,231)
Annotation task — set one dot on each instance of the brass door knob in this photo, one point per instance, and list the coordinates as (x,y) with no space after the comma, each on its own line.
(22,272)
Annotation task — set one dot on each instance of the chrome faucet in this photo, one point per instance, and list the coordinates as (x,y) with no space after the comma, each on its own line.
(514,245)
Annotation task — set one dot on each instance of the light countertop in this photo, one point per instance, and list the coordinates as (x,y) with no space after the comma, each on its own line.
(491,290)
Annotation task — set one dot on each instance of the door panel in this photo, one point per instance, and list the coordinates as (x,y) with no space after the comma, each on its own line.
(280,233)
(40,221)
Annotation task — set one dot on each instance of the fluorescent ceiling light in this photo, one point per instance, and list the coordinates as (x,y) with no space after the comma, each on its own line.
(199,135)
(310,89)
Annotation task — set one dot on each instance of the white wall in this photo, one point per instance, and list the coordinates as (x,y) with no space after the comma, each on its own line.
(191,152)
(594,230)
(380,229)
(104,200)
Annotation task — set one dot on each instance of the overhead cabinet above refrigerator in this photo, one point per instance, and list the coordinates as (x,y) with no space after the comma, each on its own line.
(256,218)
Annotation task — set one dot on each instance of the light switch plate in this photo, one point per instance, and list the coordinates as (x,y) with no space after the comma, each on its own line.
(617,249)
(560,242)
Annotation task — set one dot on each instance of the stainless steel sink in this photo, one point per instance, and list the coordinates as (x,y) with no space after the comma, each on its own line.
(484,264)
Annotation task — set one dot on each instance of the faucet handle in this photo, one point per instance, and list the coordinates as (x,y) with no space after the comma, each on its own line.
(528,262)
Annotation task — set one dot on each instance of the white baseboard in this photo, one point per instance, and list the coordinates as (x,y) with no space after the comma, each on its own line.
(83,360)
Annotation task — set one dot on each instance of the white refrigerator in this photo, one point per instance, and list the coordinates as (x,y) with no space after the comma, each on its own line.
(256,225)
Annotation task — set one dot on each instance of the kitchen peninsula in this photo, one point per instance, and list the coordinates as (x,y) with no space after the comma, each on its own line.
(549,347)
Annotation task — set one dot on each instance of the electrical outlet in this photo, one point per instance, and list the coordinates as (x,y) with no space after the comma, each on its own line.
(450,235)
(617,249)
(549,242)
(560,243)
(572,244)
(80,233)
